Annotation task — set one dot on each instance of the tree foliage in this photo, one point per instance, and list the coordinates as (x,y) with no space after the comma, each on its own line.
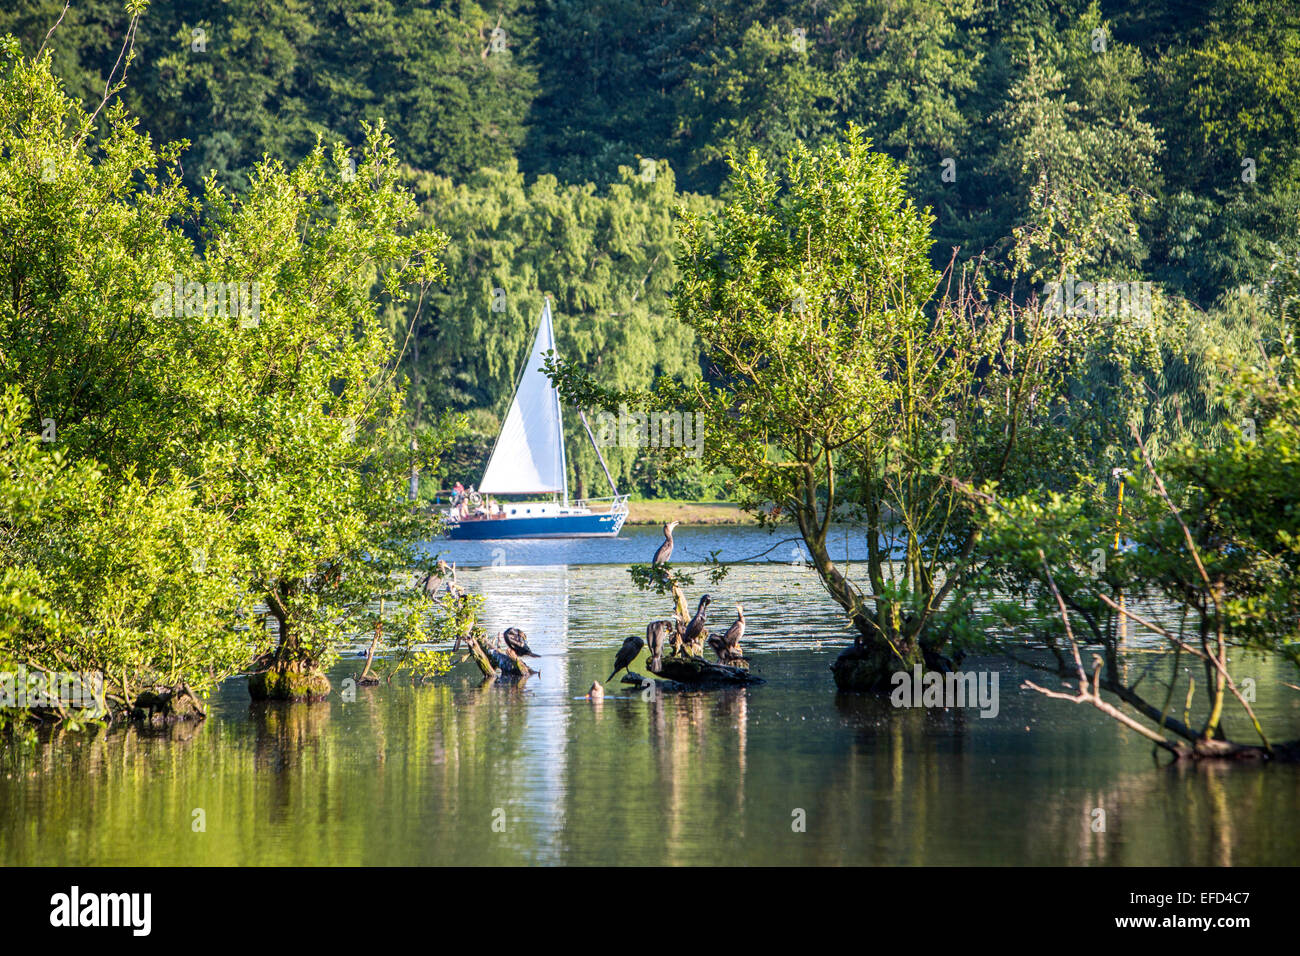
(608,265)
(221,418)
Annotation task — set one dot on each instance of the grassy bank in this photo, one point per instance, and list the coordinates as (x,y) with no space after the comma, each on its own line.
(687,512)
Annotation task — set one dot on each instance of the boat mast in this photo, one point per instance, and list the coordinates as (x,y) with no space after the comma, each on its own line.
(559,416)
(596,445)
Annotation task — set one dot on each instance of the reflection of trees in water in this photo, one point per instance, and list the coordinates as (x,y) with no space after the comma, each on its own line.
(286,734)
(288,737)
(409,775)
(402,775)
(468,756)
(885,799)
(1187,814)
(121,795)
(655,780)
(1227,803)
(436,760)
(702,763)
(913,789)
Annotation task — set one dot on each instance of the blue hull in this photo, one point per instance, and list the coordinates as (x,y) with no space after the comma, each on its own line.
(546,526)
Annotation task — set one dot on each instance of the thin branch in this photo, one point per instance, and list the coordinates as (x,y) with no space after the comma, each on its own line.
(52,29)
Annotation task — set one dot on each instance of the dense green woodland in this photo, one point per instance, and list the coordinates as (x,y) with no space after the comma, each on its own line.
(1148,109)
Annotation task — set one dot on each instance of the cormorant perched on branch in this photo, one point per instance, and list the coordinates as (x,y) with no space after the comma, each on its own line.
(435,579)
(695,629)
(727,647)
(666,549)
(517,641)
(654,638)
(627,654)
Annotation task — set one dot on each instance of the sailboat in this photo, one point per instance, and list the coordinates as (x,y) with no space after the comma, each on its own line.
(529,459)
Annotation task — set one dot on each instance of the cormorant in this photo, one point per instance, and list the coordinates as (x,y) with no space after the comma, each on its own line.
(654,638)
(727,647)
(627,654)
(435,579)
(666,549)
(517,641)
(695,629)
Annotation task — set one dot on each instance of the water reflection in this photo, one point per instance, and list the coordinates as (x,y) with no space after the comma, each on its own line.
(471,771)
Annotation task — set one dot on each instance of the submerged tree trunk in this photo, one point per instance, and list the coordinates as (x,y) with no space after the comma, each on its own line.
(695,671)
(289,673)
(168,704)
(494,662)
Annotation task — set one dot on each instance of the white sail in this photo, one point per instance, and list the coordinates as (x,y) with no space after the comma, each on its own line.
(529,455)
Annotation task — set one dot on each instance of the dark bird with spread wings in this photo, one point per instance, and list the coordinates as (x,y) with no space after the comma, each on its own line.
(727,646)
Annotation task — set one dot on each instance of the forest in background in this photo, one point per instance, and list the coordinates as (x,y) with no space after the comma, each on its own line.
(552,140)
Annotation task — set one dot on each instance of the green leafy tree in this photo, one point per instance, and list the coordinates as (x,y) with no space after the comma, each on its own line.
(764,93)
(1208,529)
(238,393)
(1080,158)
(242,79)
(1229,99)
(845,386)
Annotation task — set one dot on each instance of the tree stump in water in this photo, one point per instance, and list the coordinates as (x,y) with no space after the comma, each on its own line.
(509,663)
(168,704)
(493,662)
(869,668)
(295,680)
(696,672)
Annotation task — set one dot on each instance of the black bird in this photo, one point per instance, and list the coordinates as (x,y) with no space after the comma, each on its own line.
(517,641)
(727,647)
(695,629)
(654,638)
(666,549)
(626,654)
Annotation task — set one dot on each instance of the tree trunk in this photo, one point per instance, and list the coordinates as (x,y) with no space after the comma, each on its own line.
(881,647)
(694,671)
(289,673)
(492,662)
(367,679)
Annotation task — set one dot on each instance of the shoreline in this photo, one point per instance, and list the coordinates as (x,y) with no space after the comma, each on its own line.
(687,512)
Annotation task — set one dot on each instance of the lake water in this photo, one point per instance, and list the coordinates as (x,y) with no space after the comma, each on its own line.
(467,772)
